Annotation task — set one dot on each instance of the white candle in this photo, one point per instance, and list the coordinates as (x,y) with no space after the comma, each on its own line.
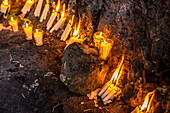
(107,91)
(67,29)
(4,6)
(38,36)
(53,16)
(104,88)
(45,11)
(60,22)
(27,6)
(14,23)
(136,110)
(38,8)
(109,95)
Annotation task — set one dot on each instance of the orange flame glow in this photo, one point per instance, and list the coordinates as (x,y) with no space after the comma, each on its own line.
(118,72)
(58,6)
(47,1)
(146,104)
(12,19)
(71,20)
(36,30)
(62,15)
(26,25)
(100,34)
(5,2)
(76,31)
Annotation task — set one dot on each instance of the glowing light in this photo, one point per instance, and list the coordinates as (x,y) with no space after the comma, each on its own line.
(47,1)
(36,30)
(62,15)
(26,25)
(12,19)
(146,104)
(71,20)
(118,72)
(76,31)
(58,6)
(5,2)
(100,34)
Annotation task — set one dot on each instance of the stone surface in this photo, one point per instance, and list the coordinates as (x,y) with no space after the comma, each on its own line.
(81,68)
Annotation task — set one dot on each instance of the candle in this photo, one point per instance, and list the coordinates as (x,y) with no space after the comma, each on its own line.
(103,89)
(27,6)
(45,11)
(110,90)
(38,8)
(73,39)
(28,31)
(114,91)
(6,28)
(107,91)
(5,6)
(14,24)
(60,22)
(54,14)
(67,29)
(105,48)
(136,110)
(98,37)
(38,36)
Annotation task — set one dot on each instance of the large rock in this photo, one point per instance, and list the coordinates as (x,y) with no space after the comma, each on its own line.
(81,69)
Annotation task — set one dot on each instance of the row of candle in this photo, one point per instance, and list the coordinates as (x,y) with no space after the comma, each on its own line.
(28,28)
(110,90)
(104,45)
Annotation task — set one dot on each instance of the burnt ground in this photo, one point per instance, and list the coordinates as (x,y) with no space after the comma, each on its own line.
(29,78)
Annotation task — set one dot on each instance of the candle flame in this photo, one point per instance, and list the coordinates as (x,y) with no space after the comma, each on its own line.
(12,19)
(118,72)
(5,2)
(105,41)
(62,15)
(58,6)
(76,31)
(147,103)
(47,1)
(36,30)
(26,25)
(100,34)
(71,20)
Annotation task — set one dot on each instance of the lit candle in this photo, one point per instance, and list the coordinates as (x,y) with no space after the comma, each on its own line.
(109,90)
(67,29)
(105,48)
(60,22)
(114,91)
(38,36)
(104,88)
(27,6)
(97,38)
(28,30)
(54,14)
(45,11)
(76,37)
(14,24)
(5,6)
(6,28)
(38,8)
(136,110)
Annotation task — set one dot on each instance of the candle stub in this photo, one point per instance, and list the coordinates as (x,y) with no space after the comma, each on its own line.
(38,36)
(28,31)
(14,23)
(98,37)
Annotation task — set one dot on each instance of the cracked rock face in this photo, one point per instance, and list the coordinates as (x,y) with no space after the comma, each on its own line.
(80,69)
